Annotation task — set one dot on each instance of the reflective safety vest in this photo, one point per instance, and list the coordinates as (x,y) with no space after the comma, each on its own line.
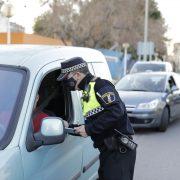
(90,104)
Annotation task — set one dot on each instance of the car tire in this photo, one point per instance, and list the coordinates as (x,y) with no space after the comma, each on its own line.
(164,120)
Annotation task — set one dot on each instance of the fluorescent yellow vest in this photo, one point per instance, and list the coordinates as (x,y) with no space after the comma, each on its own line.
(91,106)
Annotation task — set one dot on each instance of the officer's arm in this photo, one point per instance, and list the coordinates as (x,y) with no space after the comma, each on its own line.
(113,112)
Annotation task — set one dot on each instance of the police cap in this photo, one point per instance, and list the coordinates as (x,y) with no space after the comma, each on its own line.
(71,65)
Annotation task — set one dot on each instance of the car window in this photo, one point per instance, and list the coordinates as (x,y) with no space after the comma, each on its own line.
(142,82)
(147,67)
(53,100)
(11,81)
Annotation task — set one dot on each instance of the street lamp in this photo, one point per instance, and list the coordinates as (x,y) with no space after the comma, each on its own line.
(7,12)
(125,46)
(146,28)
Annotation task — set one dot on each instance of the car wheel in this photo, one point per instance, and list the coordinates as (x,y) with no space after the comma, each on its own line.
(164,120)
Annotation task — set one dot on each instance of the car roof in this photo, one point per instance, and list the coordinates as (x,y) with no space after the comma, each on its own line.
(32,55)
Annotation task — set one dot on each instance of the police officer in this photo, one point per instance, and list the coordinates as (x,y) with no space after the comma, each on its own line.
(104,112)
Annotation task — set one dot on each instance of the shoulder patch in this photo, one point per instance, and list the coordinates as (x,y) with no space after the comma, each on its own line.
(108,97)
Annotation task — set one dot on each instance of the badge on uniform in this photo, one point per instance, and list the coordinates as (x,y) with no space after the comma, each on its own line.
(108,97)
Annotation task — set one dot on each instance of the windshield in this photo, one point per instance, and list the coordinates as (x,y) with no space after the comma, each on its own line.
(147,67)
(10,89)
(142,82)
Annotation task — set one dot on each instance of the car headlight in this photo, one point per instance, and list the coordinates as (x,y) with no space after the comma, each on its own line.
(151,105)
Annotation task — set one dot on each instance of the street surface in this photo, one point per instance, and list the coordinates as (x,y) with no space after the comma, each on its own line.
(158,154)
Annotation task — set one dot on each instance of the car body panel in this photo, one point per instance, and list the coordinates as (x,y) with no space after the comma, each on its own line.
(62,161)
(11,164)
(132,99)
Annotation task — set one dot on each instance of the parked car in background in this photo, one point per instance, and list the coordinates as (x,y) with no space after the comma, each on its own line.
(50,154)
(142,66)
(152,99)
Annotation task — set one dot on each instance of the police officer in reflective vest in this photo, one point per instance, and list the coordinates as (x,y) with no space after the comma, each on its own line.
(106,120)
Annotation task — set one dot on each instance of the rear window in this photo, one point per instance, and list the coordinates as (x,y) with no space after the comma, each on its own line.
(147,67)
(11,84)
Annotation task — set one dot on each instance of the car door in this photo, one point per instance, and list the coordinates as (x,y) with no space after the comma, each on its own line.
(50,162)
(90,154)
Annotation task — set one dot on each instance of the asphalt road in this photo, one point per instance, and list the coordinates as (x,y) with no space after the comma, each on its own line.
(158,154)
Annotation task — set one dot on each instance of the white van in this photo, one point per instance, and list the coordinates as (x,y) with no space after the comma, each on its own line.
(28,70)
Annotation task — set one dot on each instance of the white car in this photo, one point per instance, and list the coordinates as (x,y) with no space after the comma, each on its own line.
(51,153)
(142,66)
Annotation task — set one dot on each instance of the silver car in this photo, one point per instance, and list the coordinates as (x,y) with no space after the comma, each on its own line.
(151,99)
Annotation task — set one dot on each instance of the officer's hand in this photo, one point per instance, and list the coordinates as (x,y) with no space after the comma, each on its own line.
(81,130)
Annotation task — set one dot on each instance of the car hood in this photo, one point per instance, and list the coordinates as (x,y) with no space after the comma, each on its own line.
(133,98)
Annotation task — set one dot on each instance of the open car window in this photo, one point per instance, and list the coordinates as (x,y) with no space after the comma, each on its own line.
(53,100)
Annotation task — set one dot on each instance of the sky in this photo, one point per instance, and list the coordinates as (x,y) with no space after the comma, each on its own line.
(25,11)
(170,10)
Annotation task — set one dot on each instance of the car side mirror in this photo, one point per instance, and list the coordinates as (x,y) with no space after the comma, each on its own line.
(52,131)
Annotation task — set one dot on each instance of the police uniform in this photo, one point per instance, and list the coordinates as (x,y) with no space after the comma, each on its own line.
(104,111)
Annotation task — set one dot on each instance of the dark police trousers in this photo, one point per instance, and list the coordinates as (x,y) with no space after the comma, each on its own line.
(115,165)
